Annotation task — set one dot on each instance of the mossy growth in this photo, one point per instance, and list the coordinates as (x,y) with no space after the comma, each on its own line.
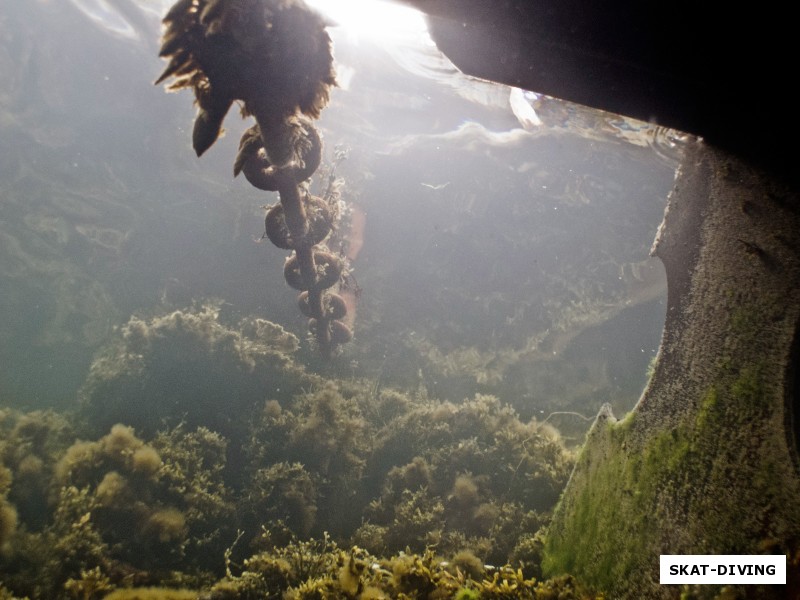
(434,473)
(7,595)
(379,476)
(130,500)
(116,509)
(596,507)
(151,593)
(629,491)
(470,472)
(179,367)
(30,446)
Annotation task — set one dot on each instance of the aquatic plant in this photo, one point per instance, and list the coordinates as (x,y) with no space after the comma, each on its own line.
(325,431)
(44,532)
(92,585)
(390,475)
(8,514)
(30,444)
(282,499)
(470,565)
(183,366)
(120,509)
(68,546)
(7,595)
(193,474)
(151,593)
(528,553)
(466,594)
(322,569)
(128,505)
(418,521)
(472,468)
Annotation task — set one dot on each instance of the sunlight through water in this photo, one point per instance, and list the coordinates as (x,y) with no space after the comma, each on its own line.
(376,20)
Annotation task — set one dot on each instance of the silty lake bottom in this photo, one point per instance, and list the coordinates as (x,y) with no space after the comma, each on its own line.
(166,420)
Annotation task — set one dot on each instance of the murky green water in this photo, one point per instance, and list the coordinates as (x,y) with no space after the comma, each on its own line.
(496,260)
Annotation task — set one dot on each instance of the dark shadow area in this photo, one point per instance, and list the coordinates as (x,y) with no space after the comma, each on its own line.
(793,404)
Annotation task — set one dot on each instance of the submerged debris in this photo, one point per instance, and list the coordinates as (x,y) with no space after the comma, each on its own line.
(275,57)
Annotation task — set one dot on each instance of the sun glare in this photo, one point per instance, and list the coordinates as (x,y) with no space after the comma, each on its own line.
(386,21)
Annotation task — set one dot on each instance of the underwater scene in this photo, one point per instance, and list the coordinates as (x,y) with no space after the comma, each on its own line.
(351,351)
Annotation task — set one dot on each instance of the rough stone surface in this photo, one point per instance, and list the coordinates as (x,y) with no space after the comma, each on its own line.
(706,463)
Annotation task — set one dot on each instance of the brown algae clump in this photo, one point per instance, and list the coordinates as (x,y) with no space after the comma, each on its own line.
(333,490)
(133,380)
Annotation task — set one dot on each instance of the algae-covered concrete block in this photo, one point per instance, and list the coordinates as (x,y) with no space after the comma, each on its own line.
(706,463)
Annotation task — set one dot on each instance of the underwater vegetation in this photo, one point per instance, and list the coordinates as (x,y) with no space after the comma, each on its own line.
(204,458)
(321,569)
(183,366)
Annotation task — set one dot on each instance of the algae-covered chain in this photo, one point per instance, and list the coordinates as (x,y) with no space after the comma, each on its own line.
(273,56)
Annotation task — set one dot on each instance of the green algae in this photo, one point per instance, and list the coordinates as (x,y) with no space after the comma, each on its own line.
(628,491)
(618,493)
(704,464)
(317,488)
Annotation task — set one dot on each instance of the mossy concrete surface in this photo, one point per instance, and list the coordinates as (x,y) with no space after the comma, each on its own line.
(706,463)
